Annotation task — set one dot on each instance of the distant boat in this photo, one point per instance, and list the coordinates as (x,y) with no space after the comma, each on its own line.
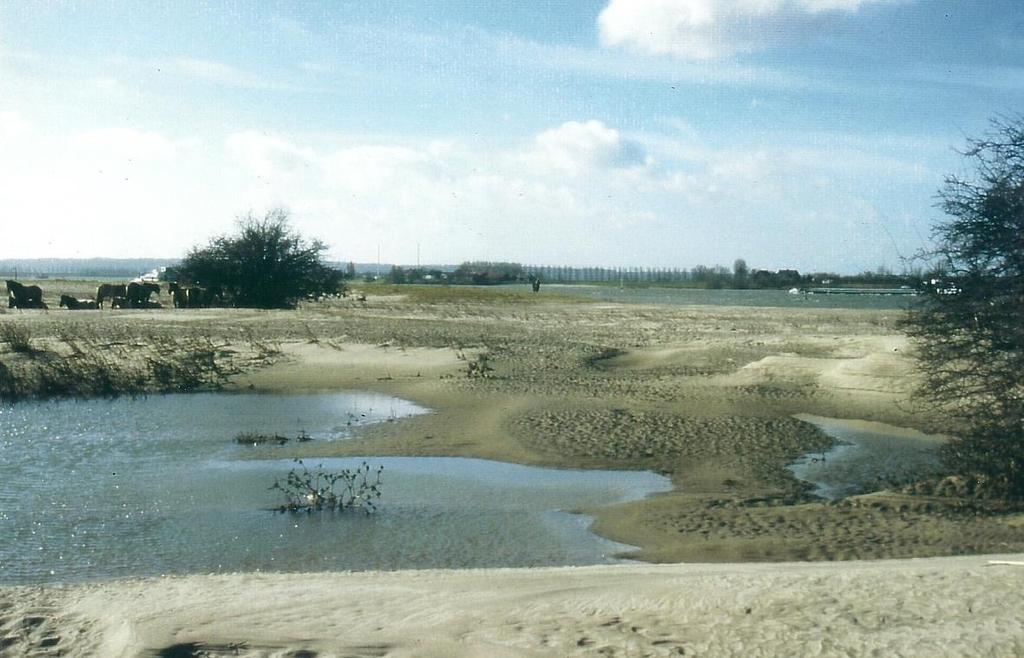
(794,291)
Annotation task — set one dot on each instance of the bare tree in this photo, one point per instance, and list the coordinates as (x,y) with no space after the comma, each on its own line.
(969,325)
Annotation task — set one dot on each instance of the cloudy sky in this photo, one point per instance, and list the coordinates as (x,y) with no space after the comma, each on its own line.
(793,133)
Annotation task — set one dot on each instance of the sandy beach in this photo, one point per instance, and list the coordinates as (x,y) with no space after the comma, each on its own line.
(708,396)
(964,606)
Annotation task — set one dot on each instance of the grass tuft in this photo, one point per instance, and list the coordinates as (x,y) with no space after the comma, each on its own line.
(18,337)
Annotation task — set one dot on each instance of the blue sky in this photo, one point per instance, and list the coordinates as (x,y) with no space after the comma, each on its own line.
(792,133)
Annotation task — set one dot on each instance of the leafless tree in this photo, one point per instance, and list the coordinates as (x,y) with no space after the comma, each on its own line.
(969,325)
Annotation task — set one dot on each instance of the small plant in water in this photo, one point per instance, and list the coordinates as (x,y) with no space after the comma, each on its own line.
(309,491)
(257,439)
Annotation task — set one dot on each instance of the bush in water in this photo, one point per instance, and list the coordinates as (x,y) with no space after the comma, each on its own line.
(308,491)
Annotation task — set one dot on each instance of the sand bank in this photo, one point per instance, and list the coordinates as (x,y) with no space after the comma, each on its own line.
(709,396)
(706,395)
(961,606)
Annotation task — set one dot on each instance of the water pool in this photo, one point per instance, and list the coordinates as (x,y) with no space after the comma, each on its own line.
(157,485)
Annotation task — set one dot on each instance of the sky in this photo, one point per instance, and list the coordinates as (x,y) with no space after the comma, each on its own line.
(807,134)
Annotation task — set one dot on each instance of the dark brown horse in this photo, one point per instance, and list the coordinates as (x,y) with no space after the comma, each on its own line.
(179,297)
(72,304)
(196,297)
(22,296)
(190,296)
(137,293)
(109,291)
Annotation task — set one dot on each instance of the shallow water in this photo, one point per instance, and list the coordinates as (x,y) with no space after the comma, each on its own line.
(869,457)
(769,298)
(98,489)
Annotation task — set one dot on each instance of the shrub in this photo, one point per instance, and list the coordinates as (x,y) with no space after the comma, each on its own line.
(309,491)
(17,336)
(266,264)
(969,324)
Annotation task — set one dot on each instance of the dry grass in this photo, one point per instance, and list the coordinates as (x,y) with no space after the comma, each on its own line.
(18,337)
(63,357)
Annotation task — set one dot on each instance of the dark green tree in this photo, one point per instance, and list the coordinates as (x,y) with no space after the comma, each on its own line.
(397,274)
(487,272)
(969,326)
(265,264)
(740,272)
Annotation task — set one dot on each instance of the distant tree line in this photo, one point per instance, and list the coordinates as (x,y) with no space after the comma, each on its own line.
(702,276)
(35,268)
(468,273)
(400,274)
(486,272)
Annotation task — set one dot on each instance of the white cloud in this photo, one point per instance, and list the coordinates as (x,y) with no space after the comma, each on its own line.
(373,168)
(581,192)
(108,192)
(12,125)
(127,143)
(708,29)
(577,147)
(462,199)
(269,156)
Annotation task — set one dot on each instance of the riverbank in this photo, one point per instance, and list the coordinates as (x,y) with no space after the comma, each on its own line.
(704,394)
(961,606)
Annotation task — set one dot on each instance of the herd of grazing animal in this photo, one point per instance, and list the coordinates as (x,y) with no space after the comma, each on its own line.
(193,296)
(135,294)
